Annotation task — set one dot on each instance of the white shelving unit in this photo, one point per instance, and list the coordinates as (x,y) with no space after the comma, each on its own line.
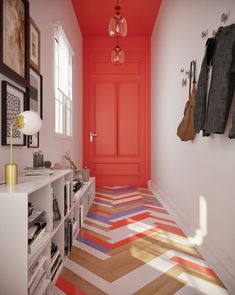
(15,260)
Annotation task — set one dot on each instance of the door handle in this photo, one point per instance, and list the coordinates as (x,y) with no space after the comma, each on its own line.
(92,135)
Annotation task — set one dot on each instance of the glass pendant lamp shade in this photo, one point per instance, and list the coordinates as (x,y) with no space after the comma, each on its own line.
(117,26)
(117,56)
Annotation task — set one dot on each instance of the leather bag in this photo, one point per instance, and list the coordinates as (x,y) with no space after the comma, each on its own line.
(185,130)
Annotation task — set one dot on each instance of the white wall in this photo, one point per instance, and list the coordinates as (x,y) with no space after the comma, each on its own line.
(205,167)
(46,13)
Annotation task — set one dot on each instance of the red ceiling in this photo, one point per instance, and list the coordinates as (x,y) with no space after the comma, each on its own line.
(93,15)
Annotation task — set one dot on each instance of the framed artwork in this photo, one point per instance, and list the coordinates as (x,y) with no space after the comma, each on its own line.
(33,141)
(14,40)
(13,103)
(35,92)
(35,102)
(34,45)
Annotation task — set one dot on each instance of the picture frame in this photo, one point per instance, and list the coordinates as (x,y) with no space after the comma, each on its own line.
(36,92)
(34,45)
(33,141)
(14,102)
(35,102)
(14,40)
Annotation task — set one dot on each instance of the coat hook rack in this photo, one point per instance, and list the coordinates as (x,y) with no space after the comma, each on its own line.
(204,34)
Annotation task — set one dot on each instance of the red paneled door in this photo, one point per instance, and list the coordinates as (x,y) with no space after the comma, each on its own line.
(117,120)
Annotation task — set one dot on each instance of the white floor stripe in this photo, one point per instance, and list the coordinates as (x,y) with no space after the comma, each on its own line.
(119,196)
(102,205)
(90,250)
(127,200)
(138,278)
(130,230)
(147,273)
(97,222)
(96,230)
(200,286)
(175,238)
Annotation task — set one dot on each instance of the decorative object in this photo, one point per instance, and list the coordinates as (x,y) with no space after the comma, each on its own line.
(117,23)
(35,102)
(34,45)
(13,103)
(14,40)
(86,174)
(28,123)
(77,174)
(117,55)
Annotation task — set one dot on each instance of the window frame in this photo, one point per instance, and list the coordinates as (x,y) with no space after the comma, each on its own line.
(59,96)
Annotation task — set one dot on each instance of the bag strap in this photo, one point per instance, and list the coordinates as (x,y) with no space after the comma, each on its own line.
(192,74)
(190,77)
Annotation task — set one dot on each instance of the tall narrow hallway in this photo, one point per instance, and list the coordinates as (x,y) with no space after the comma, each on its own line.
(130,244)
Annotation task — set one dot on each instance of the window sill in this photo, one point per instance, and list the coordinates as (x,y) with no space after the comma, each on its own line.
(61,136)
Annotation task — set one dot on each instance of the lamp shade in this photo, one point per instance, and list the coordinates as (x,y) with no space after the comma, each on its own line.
(117,26)
(117,56)
(28,122)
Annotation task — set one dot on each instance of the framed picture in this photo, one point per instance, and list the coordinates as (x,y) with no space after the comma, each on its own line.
(35,102)
(13,103)
(35,92)
(34,45)
(33,141)
(14,40)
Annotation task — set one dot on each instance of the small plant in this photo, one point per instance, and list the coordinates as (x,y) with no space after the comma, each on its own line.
(71,163)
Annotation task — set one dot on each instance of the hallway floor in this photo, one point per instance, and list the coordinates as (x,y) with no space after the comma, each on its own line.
(129,244)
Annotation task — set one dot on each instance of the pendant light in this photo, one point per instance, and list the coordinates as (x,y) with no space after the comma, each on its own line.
(117,23)
(117,55)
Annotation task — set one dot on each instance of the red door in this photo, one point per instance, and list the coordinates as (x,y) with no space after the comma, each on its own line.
(117,120)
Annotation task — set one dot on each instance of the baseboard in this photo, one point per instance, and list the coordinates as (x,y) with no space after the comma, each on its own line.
(214,256)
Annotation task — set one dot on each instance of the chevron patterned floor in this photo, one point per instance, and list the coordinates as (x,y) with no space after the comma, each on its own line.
(129,244)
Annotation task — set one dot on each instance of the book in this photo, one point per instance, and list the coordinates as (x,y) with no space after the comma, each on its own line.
(35,217)
(38,242)
(35,268)
(35,230)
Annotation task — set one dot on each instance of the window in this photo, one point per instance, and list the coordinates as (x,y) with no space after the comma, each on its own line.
(63,84)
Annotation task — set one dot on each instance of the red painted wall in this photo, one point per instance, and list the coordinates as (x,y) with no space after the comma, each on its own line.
(96,53)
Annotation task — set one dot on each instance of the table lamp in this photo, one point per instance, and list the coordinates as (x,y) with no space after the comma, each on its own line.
(28,123)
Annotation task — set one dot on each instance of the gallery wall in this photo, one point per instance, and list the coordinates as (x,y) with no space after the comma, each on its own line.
(195,178)
(46,14)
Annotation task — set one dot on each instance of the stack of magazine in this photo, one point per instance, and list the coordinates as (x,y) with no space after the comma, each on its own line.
(30,171)
(37,277)
(56,260)
(37,233)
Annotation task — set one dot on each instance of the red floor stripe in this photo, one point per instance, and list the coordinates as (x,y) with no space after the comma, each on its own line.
(158,210)
(67,287)
(172,229)
(163,219)
(111,246)
(194,266)
(116,199)
(129,220)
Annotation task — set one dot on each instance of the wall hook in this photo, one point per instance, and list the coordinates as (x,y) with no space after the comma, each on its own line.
(204,34)
(224,17)
(184,82)
(181,70)
(214,33)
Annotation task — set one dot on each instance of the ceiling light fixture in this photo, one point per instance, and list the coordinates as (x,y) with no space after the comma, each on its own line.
(117,23)
(117,55)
